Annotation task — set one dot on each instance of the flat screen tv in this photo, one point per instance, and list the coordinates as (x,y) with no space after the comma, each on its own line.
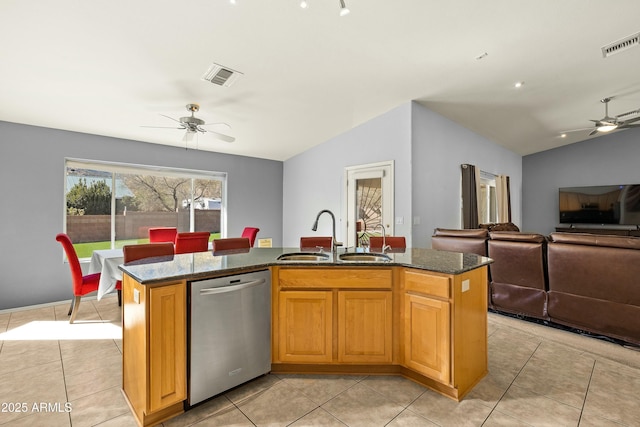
(603,204)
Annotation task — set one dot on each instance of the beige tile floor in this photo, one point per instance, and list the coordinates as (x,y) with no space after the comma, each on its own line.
(56,374)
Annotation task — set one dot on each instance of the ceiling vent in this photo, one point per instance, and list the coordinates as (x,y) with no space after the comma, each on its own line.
(221,75)
(621,45)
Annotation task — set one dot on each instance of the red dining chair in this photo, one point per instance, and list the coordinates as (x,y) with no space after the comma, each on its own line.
(197,241)
(162,234)
(396,243)
(250,233)
(316,243)
(146,250)
(82,285)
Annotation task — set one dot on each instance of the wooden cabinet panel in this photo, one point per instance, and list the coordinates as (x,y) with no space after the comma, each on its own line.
(365,326)
(305,326)
(427,337)
(427,283)
(167,346)
(371,278)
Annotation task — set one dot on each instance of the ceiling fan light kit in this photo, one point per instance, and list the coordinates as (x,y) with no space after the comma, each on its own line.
(608,124)
(193,125)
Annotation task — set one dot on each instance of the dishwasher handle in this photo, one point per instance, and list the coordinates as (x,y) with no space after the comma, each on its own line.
(224,289)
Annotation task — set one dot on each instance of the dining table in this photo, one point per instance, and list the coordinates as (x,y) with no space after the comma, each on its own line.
(106,262)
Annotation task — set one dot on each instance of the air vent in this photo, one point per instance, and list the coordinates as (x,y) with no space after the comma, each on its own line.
(621,45)
(221,75)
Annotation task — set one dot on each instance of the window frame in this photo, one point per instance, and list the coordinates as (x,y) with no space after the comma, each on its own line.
(139,169)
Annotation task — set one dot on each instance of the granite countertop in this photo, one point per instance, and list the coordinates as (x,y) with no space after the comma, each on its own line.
(202,265)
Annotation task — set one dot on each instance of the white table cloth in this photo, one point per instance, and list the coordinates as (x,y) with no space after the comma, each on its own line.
(106,263)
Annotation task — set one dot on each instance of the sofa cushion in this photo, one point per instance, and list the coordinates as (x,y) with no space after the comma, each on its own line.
(472,241)
(475,233)
(517,236)
(624,242)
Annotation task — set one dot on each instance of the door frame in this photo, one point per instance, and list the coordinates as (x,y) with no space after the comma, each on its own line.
(383,169)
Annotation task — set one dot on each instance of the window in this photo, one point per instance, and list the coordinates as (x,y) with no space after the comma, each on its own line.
(110,205)
(487,199)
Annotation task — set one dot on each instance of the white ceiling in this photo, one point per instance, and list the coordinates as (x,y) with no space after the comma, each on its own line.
(111,67)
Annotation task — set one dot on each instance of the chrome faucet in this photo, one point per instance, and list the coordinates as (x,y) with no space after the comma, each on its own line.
(384,237)
(333,222)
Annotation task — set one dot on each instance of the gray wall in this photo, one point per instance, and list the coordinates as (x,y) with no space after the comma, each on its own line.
(32,209)
(314,179)
(427,150)
(439,147)
(609,159)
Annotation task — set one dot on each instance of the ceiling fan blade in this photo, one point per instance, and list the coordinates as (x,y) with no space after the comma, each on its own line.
(635,119)
(593,132)
(223,137)
(161,127)
(170,118)
(226,125)
(627,126)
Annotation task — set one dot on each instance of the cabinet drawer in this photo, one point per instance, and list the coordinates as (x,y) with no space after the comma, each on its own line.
(429,284)
(351,278)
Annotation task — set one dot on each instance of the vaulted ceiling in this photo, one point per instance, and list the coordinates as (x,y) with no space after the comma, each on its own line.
(306,75)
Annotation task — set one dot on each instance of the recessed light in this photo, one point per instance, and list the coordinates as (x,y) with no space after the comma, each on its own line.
(563,135)
(304,4)
(519,84)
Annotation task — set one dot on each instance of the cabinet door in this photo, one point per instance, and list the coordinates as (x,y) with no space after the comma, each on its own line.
(167,346)
(305,326)
(427,336)
(365,326)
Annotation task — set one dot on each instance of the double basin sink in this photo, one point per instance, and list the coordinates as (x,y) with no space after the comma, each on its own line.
(347,256)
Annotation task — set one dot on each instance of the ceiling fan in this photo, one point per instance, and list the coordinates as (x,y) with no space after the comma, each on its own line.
(607,124)
(194,125)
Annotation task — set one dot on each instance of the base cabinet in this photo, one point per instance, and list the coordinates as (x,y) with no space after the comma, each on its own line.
(305,326)
(365,326)
(333,315)
(427,343)
(431,327)
(154,349)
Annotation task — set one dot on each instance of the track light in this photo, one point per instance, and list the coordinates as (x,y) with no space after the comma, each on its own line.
(343,9)
(304,4)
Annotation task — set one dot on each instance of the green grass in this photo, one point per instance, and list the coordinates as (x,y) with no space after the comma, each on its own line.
(85,250)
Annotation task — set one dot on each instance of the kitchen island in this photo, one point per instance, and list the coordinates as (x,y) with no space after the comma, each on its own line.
(422,315)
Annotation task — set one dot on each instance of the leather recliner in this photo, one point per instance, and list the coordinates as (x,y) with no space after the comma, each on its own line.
(472,241)
(518,273)
(594,283)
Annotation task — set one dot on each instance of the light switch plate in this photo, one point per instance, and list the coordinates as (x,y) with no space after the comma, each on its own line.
(136,296)
(465,285)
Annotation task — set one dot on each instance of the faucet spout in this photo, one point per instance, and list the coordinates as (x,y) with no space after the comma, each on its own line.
(384,237)
(335,244)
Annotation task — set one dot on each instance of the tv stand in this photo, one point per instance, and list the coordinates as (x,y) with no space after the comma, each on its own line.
(630,230)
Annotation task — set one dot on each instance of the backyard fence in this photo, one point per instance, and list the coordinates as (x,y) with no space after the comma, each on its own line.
(135,225)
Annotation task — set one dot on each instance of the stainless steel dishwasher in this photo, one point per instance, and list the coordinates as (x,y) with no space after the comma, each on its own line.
(230,332)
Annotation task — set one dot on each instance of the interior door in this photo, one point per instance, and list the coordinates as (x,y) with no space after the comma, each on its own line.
(369,201)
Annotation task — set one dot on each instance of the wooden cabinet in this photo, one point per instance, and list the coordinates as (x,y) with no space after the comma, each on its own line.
(305,326)
(154,349)
(365,326)
(427,343)
(326,315)
(445,328)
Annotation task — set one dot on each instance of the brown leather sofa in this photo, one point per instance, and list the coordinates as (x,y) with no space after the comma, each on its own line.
(518,273)
(587,282)
(594,284)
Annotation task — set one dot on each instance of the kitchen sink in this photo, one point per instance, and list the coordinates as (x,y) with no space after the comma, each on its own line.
(304,256)
(364,257)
